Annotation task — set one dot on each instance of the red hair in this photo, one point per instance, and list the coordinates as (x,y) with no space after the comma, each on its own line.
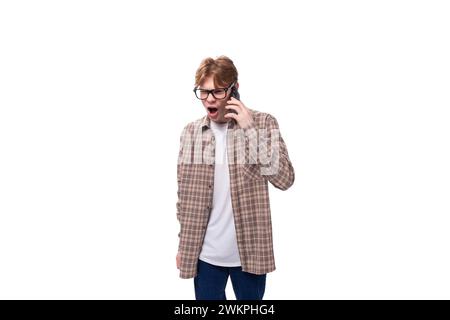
(222,70)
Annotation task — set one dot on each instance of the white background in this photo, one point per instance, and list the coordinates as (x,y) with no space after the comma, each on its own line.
(93,98)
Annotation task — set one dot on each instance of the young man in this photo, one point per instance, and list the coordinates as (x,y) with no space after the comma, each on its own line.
(223,202)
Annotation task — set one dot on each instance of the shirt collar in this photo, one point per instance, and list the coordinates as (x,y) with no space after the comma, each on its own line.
(206,122)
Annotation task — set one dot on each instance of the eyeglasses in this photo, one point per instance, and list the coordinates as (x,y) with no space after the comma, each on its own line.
(219,93)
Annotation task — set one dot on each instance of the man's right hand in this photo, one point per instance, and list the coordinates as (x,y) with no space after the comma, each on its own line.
(178,260)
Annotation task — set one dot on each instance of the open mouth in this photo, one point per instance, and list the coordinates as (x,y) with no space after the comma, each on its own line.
(212,111)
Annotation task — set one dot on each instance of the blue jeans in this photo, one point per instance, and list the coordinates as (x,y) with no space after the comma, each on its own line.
(211,281)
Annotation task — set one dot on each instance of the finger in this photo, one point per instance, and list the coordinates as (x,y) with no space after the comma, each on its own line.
(231,115)
(238,108)
(236,102)
(234,107)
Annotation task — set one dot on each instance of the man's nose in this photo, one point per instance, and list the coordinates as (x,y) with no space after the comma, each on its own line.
(210,98)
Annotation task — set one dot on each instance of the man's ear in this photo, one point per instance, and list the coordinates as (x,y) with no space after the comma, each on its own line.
(237,85)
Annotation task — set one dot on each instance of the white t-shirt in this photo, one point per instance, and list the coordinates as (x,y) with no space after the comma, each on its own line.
(220,244)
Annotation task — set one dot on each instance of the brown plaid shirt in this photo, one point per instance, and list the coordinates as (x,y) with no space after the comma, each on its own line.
(248,186)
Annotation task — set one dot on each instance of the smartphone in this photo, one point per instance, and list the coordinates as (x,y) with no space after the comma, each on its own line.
(235,94)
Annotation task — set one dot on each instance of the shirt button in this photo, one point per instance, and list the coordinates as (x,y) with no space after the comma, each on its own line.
(209,186)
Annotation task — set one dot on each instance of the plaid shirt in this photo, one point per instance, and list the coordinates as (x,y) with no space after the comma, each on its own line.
(248,187)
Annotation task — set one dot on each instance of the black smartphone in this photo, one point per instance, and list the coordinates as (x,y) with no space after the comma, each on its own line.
(235,94)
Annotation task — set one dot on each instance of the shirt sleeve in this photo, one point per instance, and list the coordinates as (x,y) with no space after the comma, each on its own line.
(268,152)
(179,178)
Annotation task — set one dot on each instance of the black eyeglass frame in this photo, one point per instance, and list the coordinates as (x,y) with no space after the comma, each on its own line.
(211,91)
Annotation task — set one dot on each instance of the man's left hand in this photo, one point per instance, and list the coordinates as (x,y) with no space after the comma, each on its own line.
(243,117)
